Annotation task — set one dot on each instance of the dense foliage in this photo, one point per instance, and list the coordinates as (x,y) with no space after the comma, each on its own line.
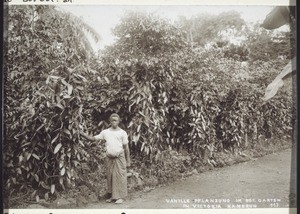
(170,95)
(46,62)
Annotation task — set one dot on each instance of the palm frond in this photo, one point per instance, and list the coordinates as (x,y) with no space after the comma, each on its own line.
(84,31)
(278,82)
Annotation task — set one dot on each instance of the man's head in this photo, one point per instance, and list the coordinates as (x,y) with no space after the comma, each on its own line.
(114,120)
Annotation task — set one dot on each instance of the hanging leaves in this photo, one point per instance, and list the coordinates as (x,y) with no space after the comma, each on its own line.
(62,172)
(35,156)
(49,96)
(52,188)
(57,148)
(70,89)
(107,80)
(54,139)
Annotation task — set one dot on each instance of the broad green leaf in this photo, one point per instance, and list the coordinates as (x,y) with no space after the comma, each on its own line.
(135,138)
(28,156)
(130,124)
(141,113)
(54,77)
(82,77)
(138,128)
(57,148)
(66,96)
(69,173)
(52,188)
(64,82)
(80,142)
(54,139)
(60,106)
(35,156)
(47,80)
(107,80)
(44,185)
(70,89)
(67,132)
(39,128)
(21,158)
(36,177)
(19,171)
(62,171)
(61,180)
(138,99)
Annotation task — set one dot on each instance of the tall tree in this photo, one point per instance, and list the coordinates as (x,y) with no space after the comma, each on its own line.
(205,28)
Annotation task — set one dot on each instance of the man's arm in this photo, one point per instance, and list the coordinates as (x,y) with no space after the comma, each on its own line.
(127,154)
(91,138)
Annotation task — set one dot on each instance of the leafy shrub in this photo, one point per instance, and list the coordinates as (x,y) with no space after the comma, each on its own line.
(44,95)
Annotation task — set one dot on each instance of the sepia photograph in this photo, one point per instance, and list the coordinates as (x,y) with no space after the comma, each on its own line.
(131,106)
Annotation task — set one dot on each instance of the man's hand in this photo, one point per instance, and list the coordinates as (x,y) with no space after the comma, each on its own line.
(127,155)
(92,138)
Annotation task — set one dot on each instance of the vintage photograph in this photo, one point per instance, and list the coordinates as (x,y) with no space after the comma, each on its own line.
(149,107)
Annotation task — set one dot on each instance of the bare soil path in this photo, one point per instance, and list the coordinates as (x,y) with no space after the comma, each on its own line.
(263,182)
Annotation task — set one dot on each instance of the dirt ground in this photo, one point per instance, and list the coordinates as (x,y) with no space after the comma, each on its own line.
(259,183)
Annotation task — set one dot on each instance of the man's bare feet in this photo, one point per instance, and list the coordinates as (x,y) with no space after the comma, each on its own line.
(119,201)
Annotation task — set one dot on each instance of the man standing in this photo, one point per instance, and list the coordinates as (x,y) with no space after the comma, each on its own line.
(117,158)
